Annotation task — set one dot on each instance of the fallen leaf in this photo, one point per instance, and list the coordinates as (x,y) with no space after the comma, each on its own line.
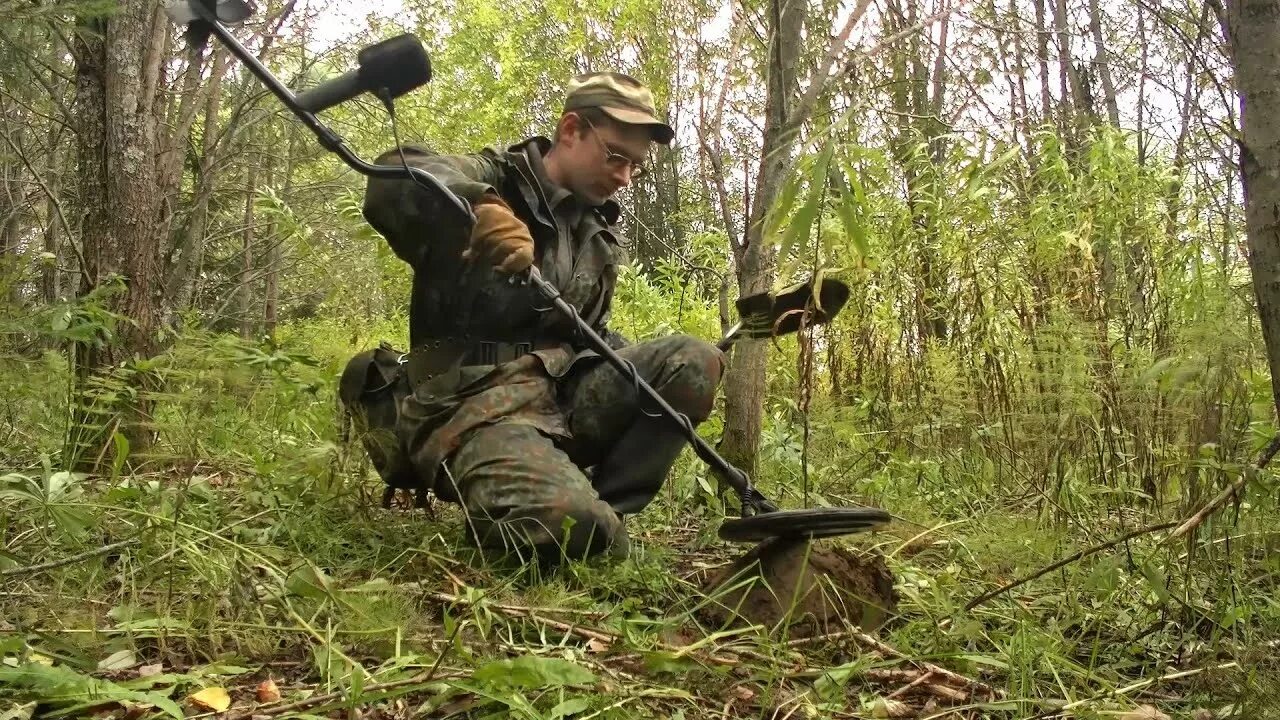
(149,670)
(1144,712)
(742,692)
(886,708)
(119,660)
(268,692)
(211,698)
(596,645)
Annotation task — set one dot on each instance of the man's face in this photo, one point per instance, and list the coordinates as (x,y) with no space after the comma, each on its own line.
(601,158)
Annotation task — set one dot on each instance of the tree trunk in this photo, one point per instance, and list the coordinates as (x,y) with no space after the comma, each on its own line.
(1103,63)
(745,381)
(189,253)
(117,68)
(1073,94)
(1253,28)
(1042,56)
(246,286)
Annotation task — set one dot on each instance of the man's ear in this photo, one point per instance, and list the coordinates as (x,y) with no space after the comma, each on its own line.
(567,130)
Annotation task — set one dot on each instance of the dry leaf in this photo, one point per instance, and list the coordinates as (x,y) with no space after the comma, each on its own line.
(268,692)
(1144,712)
(886,708)
(149,670)
(744,693)
(211,698)
(119,660)
(596,645)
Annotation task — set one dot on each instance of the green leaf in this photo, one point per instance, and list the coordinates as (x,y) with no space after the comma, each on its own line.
(782,205)
(61,686)
(570,707)
(800,224)
(9,560)
(532,671)
(1155,577)
(309,581)
(854,228)
(665,661)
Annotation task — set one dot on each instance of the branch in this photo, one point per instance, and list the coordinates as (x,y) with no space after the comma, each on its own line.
(1067,561)
(913,29)
(823,75)
(53,198)
(29,569)
(1225,496)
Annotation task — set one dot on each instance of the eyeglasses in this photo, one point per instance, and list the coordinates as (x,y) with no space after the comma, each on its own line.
(617,161)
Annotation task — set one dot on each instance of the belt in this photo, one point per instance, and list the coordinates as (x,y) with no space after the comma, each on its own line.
(437,359)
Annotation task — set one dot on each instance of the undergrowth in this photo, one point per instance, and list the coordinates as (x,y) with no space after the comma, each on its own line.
(246,547)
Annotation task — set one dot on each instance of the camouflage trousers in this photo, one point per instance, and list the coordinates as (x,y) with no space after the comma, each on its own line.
(526,492)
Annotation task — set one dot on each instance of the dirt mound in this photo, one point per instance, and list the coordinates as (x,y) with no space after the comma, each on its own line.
(809,588)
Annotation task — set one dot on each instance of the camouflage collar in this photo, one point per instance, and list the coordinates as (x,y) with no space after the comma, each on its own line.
(533,149)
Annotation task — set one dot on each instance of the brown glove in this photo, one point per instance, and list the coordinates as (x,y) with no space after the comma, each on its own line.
(499,236)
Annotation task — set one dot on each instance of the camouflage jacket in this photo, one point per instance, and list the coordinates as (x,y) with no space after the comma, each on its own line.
(576,248)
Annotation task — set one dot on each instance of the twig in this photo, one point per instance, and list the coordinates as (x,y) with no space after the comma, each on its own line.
(1067,561)
(11,572)
(953,678)
(923,678)
(941,673)
(424,677)
(1225,496)
(521,611)
(1139,685)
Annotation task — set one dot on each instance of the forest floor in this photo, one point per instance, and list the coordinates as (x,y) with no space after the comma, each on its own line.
(203,591)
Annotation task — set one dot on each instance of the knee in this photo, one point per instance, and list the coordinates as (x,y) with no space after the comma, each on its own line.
(698,366)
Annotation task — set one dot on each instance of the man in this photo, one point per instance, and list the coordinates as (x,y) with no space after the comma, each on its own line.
(544,444)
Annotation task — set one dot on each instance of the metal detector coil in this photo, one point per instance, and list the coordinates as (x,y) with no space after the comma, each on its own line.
(803,524)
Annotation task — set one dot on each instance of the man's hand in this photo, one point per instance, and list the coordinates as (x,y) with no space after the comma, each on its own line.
(499,236)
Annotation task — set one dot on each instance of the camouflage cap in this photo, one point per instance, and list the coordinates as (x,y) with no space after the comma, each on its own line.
(621,97)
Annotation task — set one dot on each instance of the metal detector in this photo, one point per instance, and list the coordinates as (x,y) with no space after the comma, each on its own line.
(393,67)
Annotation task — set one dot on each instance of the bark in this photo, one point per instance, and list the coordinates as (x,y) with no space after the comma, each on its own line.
(245,287)
(122,222)
(918,120)
(189,254)
(1073,92)
(1254,38)
(1042,57)
(744,382)
(1103,63)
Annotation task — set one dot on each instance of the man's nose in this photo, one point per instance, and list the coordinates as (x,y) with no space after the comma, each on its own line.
(623,176)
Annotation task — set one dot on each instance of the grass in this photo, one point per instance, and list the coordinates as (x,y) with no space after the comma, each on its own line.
(250,547)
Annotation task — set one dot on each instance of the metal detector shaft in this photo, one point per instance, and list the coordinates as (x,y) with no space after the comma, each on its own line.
(329,140)
(736,478)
